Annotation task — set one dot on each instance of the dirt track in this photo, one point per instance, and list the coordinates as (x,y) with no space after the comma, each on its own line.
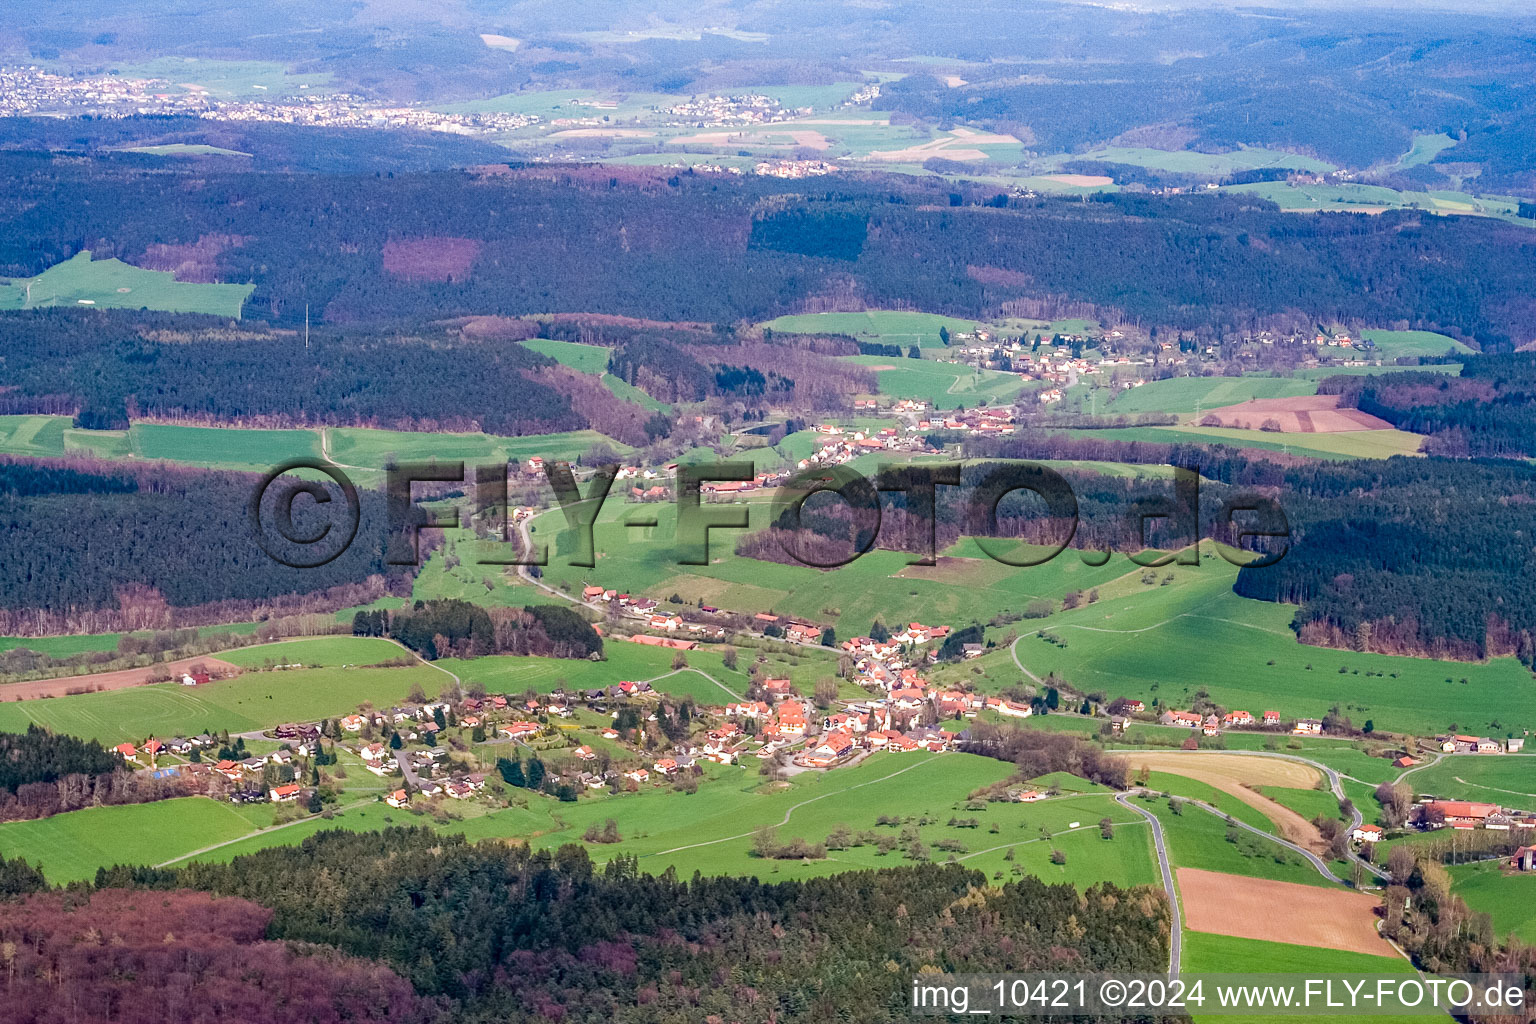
(120,680)
(1258,908)
(1233,774)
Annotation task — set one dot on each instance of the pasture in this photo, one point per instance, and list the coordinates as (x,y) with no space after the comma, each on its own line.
(1199,839)
(253,701)
(1392,344)
(887,326)
(1509,897)
(1357,444)
(943,385)
(1506,779)
(965,585)
(1201,394)
(111,283)
(1164,643)
(71,847)
(1239,776)
(1212,164)
(317,652)
(711,830)
(222,447)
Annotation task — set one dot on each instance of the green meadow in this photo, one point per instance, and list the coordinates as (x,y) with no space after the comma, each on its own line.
(887,326)
(966,585)
(1192,394)
(1197,838)
(1492,778)
(1226,954)
(1509,897)
(1214,164)
(1391,344)
(710,830)
(70,847)
(1165,643)
(593,359)
(252,450)
(253,701)
(943,385)
(317,652)
(1352,444)
(1229,954)
(81,281)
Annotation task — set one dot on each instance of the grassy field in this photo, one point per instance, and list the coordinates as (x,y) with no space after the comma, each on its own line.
(40,436)
(1391,344)
(1425,148)
(70,847)
(1164,643)
(1309,803)
(1225,954)
(1198,839)
(222,447)
(252,701)
(1189,394)
(1353,444)
(1229,954)
(945,385)
(1508,897)
(890,327)
(966,585)
(1500,779)
(317,652)
(1356,198)
(81,281)
(709,831)
(227,79)
(1214,164)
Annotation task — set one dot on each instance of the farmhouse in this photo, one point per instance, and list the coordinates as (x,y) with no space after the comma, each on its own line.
(1524,859)
(1187,719)
(1366,833)
(1237,718)
(1458,813)
(399,798)
(1271,718)
(1307,727)
(283,794)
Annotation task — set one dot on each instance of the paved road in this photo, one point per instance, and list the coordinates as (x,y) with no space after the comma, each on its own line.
(1335,782)
(1176,935)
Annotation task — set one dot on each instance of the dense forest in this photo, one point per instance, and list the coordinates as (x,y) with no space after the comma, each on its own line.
(497,933)
(696,247)
(1489,410)
(106,368)
(139,542)
(142,958)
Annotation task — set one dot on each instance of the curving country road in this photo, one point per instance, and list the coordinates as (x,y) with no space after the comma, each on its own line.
(1176,933)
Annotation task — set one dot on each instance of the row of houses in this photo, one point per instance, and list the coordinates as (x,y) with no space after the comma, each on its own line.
(1480,744)
(1210,725)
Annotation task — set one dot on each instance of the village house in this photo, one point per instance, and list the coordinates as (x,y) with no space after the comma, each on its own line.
(1237,718)
(1307,727)
(1271,718)
(1186,719)
(284,794)
(1460,814)
(399,798)
(1366,833)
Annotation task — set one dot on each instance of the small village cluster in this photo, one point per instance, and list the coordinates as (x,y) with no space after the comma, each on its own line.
(749,108)
(31,90)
